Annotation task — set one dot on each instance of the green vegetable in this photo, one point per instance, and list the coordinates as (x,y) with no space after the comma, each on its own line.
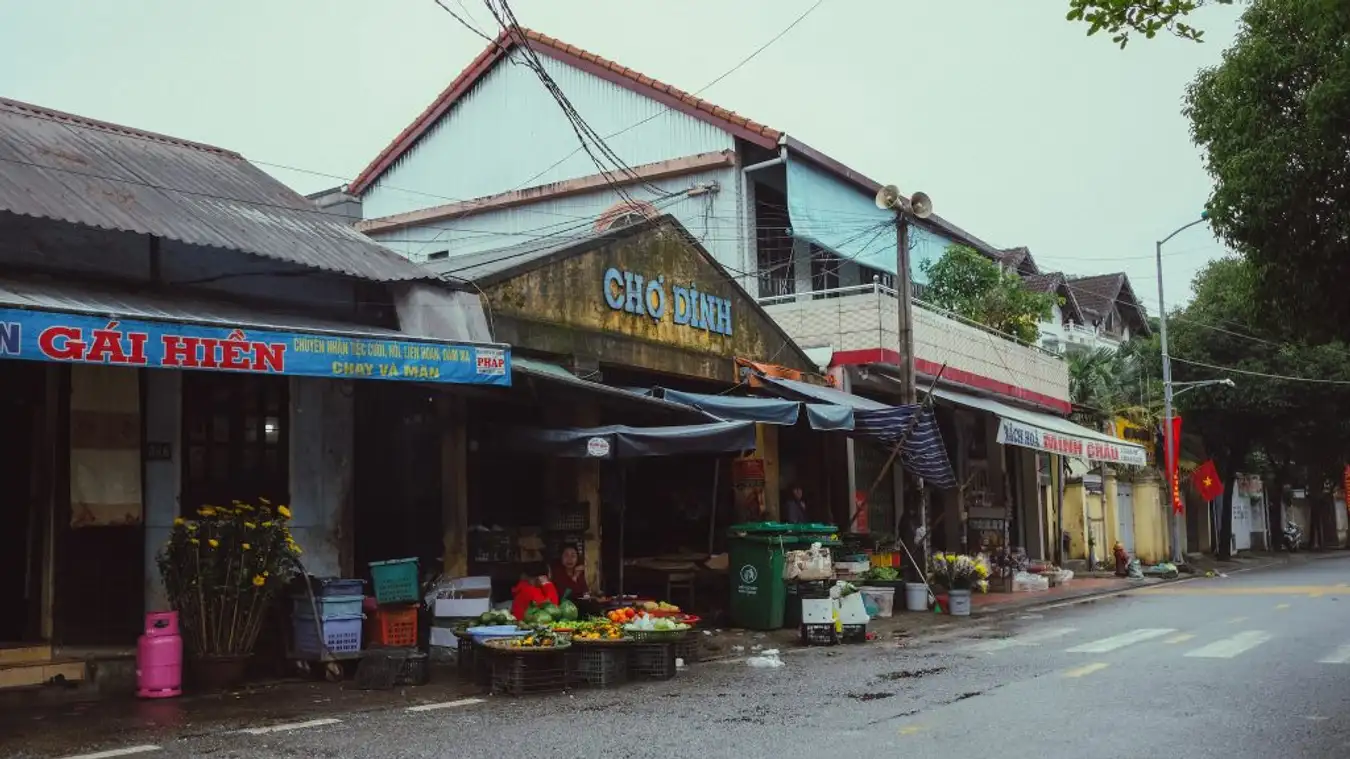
(882,573)
(541,618)
(568,611)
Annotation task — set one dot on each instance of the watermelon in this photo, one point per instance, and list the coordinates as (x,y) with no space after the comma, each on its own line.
(568,610)
(542,618)
(551,610)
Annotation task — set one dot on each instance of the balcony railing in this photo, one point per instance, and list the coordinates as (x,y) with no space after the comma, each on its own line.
(865,317)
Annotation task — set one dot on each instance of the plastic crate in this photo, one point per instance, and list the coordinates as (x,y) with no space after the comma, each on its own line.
(340,636)
(571,517)
(336,586)
(853,634)
(651,661)
(818,635)
(528,673)
(597,666)
(690,648)
(395,626)
(330,607)
(395,581)
(416,670)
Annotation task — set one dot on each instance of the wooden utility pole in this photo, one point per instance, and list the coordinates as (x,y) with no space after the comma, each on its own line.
(904,289)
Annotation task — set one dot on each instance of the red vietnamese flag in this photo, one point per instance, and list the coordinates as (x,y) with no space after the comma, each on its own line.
(1206,480)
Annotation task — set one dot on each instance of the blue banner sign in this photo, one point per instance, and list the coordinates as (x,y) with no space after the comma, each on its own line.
(75,338)
(626,291)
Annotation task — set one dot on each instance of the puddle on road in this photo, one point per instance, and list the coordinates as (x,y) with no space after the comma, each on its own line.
(909,674)
(869,696)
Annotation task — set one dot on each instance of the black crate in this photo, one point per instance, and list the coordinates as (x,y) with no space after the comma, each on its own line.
(523,674)
(597,666)
(651,661)
(690,648)
(568,517)
(853,634)
(818,635)
(416,670)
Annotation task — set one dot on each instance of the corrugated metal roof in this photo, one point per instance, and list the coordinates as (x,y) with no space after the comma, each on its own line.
(80,299)
(489,264)
(69,168)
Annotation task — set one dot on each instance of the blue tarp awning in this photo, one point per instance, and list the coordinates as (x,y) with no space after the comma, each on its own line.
(821,416)
(922,453)
(619,441)
(839,217)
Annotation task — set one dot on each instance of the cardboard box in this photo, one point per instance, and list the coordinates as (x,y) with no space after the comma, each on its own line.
(462,607)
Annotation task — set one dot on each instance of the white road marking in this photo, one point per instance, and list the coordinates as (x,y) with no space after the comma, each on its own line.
(1232,646)
(1340,656)
(1120,641)
(445,705)
(288,727)
(128,751)
(1029,639)
(1182,638)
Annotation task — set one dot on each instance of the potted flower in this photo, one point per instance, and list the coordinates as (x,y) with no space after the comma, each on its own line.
(221,572)
(959,574)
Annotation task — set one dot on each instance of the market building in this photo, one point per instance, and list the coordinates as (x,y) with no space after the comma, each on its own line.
(178,329)
(797,228)
(637,338)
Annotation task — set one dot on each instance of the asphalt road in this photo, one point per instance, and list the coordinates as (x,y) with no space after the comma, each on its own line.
(1254,665)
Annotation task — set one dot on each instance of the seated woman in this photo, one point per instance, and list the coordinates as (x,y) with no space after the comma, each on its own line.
(568,574)
(535,589)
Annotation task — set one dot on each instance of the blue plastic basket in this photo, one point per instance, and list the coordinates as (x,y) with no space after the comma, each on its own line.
(341,636)
(330,607)
(334,586)
(395,581)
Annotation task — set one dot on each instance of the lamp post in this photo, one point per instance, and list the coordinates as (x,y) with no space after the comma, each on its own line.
(1170,446)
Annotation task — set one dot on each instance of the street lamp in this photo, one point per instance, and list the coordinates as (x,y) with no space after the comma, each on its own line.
(1201,383)
(1169,444)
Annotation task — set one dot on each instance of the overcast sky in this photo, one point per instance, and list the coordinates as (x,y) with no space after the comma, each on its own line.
(1023,131)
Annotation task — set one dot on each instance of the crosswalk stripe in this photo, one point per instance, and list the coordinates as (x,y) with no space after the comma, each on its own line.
(1120,641)
(1229,647)
(1034,638)
(1340,656)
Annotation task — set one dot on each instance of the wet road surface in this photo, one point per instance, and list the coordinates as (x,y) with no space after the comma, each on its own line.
(1254,665)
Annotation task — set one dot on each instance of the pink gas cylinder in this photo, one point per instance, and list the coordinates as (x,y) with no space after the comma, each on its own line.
(159,657)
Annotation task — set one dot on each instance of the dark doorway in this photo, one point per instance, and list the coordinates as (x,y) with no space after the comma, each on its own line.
(22,505)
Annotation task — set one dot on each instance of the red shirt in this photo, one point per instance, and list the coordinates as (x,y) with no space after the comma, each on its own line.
(565,582)
(526,593)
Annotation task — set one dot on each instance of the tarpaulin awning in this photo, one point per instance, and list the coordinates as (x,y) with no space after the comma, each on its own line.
(821,416)
(1049,433)
(922,451)
(624,442)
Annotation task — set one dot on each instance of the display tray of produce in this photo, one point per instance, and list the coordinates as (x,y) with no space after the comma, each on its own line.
(648,629)
(600,634)
(544,641)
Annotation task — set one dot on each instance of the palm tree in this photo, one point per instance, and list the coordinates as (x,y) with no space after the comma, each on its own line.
(1109,383)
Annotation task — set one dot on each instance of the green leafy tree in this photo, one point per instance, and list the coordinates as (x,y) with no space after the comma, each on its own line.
(1273,120)
(1108,383)
(1225,333)
(1123,18)
(974,287)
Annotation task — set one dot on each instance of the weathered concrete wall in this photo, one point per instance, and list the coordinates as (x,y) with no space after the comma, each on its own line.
(568,308)
(322,441)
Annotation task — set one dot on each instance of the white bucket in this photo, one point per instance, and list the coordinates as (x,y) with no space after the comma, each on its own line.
(882,598)
(959,601)
(916,596)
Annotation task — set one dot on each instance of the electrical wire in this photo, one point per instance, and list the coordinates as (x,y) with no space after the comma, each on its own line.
(1263,375)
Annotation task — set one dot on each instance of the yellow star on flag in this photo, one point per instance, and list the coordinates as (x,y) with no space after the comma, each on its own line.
(1208,482)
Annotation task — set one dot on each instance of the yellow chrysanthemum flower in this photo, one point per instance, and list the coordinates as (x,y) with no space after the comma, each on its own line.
(251,525)
(246,546)
(193,541)
(264,502)
(213,543)
(207,511)
(284,512)
(259,581)
(178,522)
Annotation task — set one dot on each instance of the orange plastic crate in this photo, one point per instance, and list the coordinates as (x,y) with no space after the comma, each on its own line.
(396,626)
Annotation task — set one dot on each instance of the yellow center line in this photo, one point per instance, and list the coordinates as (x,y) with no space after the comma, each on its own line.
(1086,669)
(1236,620)
(1192,589)
(1182,638)
(1281,606)
(910,730)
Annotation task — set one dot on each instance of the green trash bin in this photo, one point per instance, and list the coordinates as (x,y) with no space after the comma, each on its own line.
(758,593)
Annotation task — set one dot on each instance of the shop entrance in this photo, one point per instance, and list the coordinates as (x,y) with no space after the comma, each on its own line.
(23,509)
